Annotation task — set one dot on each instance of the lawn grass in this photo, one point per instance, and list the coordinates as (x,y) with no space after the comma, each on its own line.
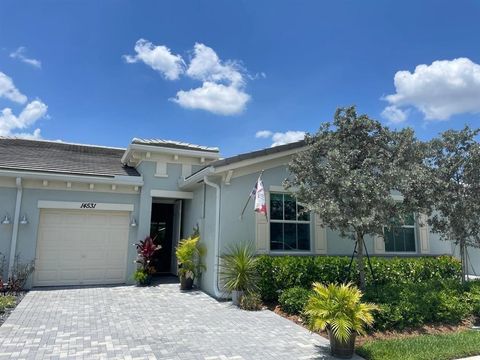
(7,301)
(424,347)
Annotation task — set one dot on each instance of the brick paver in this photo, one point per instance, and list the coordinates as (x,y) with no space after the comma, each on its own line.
(160,322)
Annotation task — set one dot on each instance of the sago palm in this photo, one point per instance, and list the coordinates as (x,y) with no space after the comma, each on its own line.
(339,308)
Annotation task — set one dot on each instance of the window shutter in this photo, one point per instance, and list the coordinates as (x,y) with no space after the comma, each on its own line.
(422,228)
(262,229)
(320,236)
(379,244)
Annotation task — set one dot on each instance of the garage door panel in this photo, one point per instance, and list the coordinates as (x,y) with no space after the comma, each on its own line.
(48,276)
(81,247)
(120,221)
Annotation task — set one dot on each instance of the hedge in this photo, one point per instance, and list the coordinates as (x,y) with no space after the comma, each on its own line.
(412,305)
(405,305)
(293,300)
(278,273)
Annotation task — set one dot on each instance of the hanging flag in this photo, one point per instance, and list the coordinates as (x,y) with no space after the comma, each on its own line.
(258,194)
(260,204)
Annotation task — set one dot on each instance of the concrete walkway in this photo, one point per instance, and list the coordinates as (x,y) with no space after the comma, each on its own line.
(158,322)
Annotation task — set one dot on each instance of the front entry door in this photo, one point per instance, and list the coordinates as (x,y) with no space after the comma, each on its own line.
(161,230)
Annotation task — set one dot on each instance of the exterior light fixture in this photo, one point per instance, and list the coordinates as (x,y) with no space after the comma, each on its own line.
(133,223)
(24,220)
(6,220)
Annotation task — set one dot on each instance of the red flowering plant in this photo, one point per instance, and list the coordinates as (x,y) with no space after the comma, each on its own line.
(145,250)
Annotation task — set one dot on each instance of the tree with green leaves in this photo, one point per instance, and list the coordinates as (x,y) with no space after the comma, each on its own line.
(347,173)
(454,160)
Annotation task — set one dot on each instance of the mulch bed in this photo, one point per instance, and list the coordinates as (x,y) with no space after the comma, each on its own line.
(18,297)
(427,329)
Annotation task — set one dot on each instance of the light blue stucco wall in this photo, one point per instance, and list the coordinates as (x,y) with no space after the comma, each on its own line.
(151,182)
(234,229)
(474,261)
(7,206)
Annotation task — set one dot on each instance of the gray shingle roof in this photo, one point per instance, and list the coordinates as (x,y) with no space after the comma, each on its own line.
(59,157)
(257,153)
(251,155)
(174,144)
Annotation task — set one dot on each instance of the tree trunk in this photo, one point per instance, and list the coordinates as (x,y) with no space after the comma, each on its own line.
(360,261)
(463,258)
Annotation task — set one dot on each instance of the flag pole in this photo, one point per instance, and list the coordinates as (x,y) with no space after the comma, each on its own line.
(250,195)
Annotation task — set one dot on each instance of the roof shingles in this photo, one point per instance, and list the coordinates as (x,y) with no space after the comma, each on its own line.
(58,157)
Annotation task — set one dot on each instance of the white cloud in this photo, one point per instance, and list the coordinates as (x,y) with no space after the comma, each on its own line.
(10,123)
(281,138)
(394,115)
(216,98)
(440,90)
(19,54)
(222,90)
(159,58)
(207,66)
(265,134)
(9,91)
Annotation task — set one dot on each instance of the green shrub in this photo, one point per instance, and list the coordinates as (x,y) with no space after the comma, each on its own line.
(283,272)
(293,300)
(6,301)
(141,277)
(251,302)
(473,288)
(417,304)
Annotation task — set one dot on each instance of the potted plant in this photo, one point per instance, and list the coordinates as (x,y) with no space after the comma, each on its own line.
(238,271)
(339,310)
(145,250)
(189,256)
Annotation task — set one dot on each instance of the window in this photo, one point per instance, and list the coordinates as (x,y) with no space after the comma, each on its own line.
(289,224)
(401,238)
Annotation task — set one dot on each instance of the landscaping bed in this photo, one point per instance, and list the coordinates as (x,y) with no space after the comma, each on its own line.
(420,302)
(8,304)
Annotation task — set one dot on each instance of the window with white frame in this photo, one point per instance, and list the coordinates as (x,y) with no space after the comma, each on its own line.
(401,238)
(289,224)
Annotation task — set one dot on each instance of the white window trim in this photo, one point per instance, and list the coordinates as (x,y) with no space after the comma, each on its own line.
(282,191)
(414,227)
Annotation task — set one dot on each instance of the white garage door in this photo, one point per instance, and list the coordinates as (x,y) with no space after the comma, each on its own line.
(81,247)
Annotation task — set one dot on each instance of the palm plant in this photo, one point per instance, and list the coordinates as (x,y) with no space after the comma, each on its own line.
(238,269)
(339,310)
(189,256)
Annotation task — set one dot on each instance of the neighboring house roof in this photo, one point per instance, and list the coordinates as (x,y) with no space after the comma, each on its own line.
(174,144)
(60,157)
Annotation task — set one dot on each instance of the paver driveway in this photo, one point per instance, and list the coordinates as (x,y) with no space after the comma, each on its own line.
(158,322)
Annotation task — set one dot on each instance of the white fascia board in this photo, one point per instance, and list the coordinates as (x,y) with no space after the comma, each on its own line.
(171,194)
(256,160)
(195,178)
(172,151)
(117,180)
(89,205)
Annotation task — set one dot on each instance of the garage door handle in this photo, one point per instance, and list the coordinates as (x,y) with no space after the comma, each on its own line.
(83,256)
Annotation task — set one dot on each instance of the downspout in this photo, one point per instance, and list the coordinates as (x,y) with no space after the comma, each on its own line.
(217,291)
(16,219)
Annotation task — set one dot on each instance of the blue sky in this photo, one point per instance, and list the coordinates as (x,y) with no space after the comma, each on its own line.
(279,66)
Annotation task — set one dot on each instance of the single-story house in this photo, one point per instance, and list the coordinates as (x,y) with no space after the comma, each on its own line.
(77,210)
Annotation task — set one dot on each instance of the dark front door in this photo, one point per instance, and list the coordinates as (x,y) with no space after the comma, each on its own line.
(161,230)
